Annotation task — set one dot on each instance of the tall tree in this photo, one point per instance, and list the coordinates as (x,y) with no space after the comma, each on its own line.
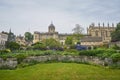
(116,34)
(28,36)
(77,32)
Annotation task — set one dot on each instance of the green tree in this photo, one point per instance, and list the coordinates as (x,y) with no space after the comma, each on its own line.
(77,32)
(116,34)
(12,45)
(39,45)
(28,36)
(51,43)
(69,40)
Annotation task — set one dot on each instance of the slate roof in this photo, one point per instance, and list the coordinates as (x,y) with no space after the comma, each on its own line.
(91,39)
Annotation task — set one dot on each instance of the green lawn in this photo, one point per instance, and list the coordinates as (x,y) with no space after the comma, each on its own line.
(61,71)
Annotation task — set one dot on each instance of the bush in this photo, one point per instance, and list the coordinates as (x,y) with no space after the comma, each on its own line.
(116,47)
(12,45)
(5,51)
(49,52)
(106,53)
(71,50)
(20,57)
(115,57)
(91,52)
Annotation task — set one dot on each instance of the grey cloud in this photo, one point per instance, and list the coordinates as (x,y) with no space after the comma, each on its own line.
(37,14)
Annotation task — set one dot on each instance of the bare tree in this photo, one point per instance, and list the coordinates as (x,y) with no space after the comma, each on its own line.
(78,29)
(77,32)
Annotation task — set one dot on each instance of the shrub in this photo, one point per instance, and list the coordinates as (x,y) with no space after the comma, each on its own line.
(115,57)
(90,52)
(20,57)
(116,47)
(5,51)
(49,52)
(71,50)
(12,45)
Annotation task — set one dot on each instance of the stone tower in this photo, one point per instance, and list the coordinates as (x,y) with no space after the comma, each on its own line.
(51,28)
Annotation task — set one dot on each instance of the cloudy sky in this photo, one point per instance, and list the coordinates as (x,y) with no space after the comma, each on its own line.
(36,15)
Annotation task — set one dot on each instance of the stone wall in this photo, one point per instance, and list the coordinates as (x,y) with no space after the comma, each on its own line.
(69,58)
(12,62)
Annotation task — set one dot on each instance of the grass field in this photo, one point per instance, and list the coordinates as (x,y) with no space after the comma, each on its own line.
(61,71)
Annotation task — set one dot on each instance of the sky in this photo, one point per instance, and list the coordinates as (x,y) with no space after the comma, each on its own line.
(36,15)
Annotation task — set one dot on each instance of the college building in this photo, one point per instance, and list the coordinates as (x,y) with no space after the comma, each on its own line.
(3,39)
(39,36)
(98,35)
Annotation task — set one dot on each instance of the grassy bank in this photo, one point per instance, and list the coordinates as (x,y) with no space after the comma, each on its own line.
(60,71)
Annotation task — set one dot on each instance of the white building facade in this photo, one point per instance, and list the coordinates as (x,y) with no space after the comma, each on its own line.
(3,39)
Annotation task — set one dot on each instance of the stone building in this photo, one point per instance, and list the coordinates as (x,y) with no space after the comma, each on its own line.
(98,35)
(3,39)
(91,41)
(39,36)
(20,40)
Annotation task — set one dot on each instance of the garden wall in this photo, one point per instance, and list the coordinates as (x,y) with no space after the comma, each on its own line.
(10,63)
(13,62)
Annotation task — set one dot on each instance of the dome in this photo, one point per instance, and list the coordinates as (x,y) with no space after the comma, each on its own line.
(51,26)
